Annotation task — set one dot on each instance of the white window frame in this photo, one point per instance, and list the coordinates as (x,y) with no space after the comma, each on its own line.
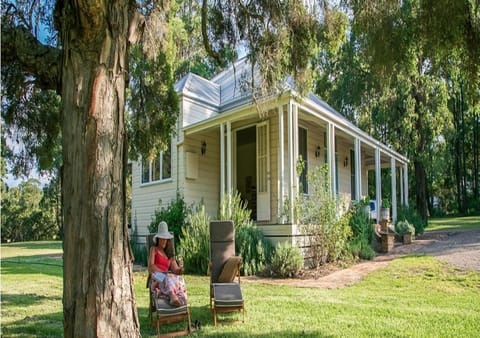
(151,164)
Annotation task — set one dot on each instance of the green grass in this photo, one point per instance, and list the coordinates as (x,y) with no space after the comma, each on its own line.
(454,223)
(415,296)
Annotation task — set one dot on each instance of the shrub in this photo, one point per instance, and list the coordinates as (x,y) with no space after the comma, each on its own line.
(254,248)
(174,214)
(233,208)
(250,243)
(287,261)
(195,241)
(362,233)
(413,217)
(403,227)
(367,252)
(323,220)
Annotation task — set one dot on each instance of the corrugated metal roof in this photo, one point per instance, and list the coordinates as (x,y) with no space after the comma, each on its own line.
(231,87)
(325,105)
(235,82)
(225,90)
(199,88)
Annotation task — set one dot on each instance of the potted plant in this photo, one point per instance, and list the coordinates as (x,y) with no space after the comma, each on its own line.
(405,230)
(385,210)
(364,205)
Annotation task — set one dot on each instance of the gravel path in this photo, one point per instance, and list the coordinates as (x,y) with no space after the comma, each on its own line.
(459,248)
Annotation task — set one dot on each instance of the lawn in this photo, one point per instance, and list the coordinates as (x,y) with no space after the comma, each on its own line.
(454,223)
(415,296)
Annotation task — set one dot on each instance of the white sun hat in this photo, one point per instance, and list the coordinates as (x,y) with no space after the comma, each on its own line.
(163,231)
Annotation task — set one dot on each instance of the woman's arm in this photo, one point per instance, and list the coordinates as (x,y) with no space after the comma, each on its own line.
(178,270)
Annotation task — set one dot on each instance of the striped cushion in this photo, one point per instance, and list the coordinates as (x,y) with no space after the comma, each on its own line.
(165,309)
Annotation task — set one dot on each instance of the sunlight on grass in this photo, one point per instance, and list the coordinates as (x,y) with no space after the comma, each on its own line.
(415,296)
(31,248)
(454,223)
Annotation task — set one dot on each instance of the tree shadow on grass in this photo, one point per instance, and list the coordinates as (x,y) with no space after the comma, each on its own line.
(25,299)
(202,316)
(46,325)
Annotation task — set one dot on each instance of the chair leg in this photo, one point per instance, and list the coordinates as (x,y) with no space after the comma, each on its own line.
(215,316)
(189,322)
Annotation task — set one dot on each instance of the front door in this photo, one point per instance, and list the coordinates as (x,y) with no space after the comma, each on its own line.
(263,173)
(246,167)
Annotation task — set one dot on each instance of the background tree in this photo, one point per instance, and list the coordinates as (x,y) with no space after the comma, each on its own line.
(88,67)
(29,213)
(389,78)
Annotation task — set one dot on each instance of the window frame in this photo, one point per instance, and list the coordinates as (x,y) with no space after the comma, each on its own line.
(160,163)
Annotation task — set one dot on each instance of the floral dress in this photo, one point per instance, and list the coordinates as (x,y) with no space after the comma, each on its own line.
(169,283)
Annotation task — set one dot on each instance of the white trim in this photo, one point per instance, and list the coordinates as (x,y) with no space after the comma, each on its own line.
(281,164)
(222,162)
(402,196)
(148,184)
(263,197)
(229,160)
(405,183)
(200,102)
(331,158)
(394,190)
(290,158)
(378,183)
(296,179)
(358,169)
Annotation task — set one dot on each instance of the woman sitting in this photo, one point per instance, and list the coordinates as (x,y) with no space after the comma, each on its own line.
(165,272)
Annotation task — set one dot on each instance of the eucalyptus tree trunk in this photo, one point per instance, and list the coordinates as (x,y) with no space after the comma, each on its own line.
(98,294)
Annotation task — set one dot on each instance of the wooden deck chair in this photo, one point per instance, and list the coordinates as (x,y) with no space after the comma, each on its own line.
(160,312)
(225,291)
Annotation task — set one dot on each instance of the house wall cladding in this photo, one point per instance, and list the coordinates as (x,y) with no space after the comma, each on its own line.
(148,196)
(206,187)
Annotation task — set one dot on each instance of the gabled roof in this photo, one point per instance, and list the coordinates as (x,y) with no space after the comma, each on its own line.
(230,87)
(199,88)
(224,90)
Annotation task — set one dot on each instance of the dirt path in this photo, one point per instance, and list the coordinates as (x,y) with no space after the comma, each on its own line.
(459,248)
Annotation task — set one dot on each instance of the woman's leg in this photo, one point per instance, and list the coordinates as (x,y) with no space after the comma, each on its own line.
(174,287)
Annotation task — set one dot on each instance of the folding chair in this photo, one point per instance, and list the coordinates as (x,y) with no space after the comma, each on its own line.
(225,291)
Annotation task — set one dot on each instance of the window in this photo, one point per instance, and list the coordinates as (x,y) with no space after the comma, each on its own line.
(302,151)
(159,169)
(325,143)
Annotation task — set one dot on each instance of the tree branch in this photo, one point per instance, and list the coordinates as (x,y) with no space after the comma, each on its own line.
(206,41)
(36,59)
